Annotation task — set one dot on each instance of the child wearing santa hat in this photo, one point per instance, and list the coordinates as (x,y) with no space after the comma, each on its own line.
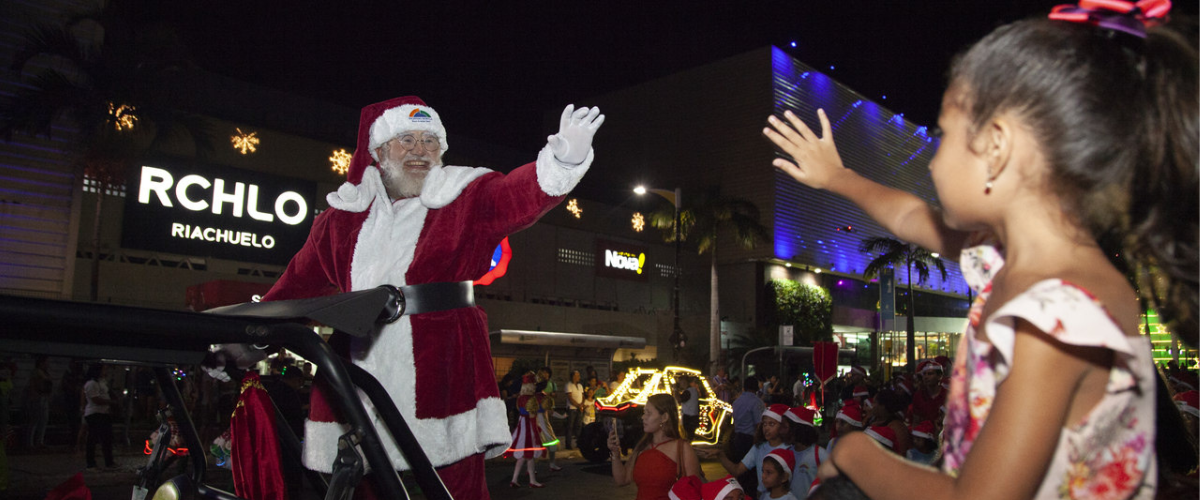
(526,438)
(849,419)
(808,454)
(924,449)
(773,432)
(777,475)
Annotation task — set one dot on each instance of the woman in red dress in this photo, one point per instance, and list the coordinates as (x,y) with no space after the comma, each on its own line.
(661,457)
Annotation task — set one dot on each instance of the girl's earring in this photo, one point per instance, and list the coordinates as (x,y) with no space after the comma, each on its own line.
(987,188)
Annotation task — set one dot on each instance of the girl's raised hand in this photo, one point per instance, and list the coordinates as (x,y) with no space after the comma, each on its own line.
(816,160)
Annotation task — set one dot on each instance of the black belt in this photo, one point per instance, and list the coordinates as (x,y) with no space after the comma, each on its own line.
(431,297)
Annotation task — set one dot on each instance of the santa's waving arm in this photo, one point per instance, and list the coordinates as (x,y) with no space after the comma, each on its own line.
(518,199)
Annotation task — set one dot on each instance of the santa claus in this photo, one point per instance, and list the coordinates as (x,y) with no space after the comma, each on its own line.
(403,218)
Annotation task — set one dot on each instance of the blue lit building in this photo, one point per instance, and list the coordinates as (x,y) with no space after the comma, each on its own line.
(702,127)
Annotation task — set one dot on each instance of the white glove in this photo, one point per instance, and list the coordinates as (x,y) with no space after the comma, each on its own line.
(575,130)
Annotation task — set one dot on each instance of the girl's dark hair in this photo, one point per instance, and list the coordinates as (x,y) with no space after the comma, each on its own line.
(1116,119)
(785,435)
(664,403)
(838,488)
(892,403)
(803,435)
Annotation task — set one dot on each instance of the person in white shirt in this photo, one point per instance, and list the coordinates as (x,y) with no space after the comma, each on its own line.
(98,416)
(574,409)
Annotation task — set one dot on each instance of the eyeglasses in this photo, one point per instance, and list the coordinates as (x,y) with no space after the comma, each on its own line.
(409,142)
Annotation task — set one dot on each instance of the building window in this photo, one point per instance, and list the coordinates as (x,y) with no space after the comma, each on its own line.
(666,270)
(576,257)
(91,185)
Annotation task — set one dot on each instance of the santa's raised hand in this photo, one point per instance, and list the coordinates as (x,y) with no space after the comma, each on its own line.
(575,131)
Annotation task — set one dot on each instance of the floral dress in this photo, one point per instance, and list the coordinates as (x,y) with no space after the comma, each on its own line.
(1110,454)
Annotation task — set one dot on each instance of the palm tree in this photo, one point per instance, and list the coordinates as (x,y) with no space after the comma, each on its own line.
(703,222)
(111,88)
(894,253)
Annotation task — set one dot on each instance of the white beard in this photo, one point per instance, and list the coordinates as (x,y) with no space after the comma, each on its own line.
(398,183)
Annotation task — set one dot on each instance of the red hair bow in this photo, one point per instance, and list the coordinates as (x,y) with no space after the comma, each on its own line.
(1119,15)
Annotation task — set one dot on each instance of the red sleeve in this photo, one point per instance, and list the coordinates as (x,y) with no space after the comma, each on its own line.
(311,271)
(511,202)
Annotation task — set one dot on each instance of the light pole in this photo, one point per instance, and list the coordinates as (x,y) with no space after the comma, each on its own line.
(678,338)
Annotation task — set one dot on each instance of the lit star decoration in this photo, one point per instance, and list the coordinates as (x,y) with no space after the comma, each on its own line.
(245,143)
(122,116)
(573,207)
(639,222)
(340,161)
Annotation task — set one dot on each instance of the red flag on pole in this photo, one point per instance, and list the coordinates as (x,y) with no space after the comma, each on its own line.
(825,360)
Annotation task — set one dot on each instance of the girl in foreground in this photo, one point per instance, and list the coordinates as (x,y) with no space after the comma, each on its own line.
(1055,132)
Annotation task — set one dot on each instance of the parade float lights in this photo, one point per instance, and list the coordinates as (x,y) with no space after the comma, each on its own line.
(641,383)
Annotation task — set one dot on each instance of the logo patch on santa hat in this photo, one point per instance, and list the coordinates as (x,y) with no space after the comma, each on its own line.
(419,115)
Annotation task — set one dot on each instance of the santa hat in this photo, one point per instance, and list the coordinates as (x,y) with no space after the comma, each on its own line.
(905,386)
(858,370)
(1188,402)
(851,414)
(801,415)
(786,459)
(929,365)
(717,490)
(776,412)
(860,391)
(925,430)
(528,378)
(383,121)
(882,433)
(686,488)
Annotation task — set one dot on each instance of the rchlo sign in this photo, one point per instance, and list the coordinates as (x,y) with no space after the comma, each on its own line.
(217,211)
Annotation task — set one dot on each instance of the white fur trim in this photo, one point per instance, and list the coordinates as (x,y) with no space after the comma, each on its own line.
(397,120)
(443,184)
(557,179)
(775,416)
(1183,406)
(920,434)
(782,464)
(729,487)
(878,437)
(846,418)
(356,198)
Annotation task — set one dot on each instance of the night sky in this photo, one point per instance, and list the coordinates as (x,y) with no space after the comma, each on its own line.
(492,69)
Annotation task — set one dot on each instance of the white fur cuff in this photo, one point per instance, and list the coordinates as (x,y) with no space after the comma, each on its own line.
(556,178)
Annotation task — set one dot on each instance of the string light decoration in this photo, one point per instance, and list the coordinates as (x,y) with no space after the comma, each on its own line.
(245,143)
(641,383)
(122,116)
(639,222)
(340,161)
(573,207)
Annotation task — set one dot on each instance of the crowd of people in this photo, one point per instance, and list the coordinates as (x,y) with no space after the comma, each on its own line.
(1037,199)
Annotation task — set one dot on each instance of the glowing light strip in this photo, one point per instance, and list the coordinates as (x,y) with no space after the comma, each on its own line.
(174,451)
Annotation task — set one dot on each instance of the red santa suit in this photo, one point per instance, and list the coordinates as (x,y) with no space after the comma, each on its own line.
(436,366)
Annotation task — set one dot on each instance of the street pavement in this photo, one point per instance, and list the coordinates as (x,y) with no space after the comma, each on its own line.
(32,474)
